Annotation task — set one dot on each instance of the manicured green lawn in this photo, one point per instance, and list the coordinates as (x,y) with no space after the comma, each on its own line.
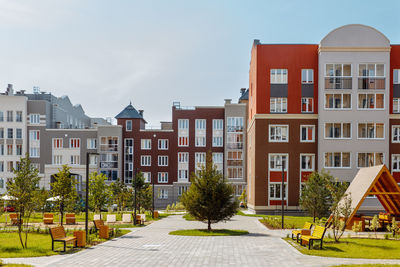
(291,222)
(354,248)
(204,232)
(188,217)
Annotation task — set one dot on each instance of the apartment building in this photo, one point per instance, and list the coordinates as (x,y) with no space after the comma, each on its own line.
(167,156)
(327,106)
(54,132)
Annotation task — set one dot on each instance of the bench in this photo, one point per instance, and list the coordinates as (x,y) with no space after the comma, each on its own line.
(58,235)
(99,223)
(70,218)
(296,233)
(126,218)
(111,218)
(48,218)
(140,219)
(14,219)
(318,234)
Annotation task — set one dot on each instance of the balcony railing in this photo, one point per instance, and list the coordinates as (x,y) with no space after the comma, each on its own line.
(371,83)
(338,83)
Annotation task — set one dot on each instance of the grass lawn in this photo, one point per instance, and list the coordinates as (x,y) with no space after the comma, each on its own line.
(291,222)
(188,217)
(204,232)
(354,248)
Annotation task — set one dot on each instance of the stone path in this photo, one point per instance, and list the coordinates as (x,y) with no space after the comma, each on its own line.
(153,246)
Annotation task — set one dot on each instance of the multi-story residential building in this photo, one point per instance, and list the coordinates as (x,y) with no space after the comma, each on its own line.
(167,156)
(330,106)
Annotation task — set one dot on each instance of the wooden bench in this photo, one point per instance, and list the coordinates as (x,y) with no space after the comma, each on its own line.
(48,218)
(296,233)
(58,235)
(318,234)
(14,219)
(98,223)
(70,218)
(140,219)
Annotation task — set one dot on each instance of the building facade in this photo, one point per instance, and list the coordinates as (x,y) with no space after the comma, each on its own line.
(329,106)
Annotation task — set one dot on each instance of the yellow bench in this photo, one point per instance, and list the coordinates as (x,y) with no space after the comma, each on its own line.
(296,233)
(318,234)
(58,235)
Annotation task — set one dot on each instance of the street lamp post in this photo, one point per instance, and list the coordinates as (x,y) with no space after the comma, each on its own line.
(87,193)
(134,202)
(283,193)
(152,185)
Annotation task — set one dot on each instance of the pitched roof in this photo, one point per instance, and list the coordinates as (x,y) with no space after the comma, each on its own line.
(377,181)
(129,113)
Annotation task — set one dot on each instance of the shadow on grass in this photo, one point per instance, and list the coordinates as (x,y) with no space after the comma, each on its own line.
(256,234)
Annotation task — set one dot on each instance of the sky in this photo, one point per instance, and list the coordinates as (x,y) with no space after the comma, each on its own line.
(104,54)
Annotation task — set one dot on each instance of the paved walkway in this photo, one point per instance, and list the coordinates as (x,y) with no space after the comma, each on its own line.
(152,246)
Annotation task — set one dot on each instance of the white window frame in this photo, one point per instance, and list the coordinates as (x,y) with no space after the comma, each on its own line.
(34,118)
(273,102)
(145,144)
(341,161)
(342,76)
(398,133)
(368,76)
(374,164)
(57,160)
(312,161)
(307,79)
(396,101)
(163,194)
(341,131)
(90,142)
(396,159)
(398,76)
(313,133)
(276,158)
(278,126)
(162,177)
(367,138)
(128,125)
(283,76)
(307,100)
(277,184)
(73,141)
(145,160)
(147,177)
(163,144)
(75,159)
(375,108)
(341,101)
(183,157)
(163,161)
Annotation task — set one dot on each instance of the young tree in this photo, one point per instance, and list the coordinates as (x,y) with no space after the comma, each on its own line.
(41,200)
(341,208)
(119,194)
(144,193)
(24,190)
(315,196)
(63,190)
(99,192)
(394,228)
(210,198)
(375,224)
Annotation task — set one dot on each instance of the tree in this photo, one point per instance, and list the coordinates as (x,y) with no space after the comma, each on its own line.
(394,228)
(63,190)
(375,224)
(243,198)
(144,193)
(119,194)
(24,190)
(99,192)
(210,198)
(341,208)
(315,195)
(41,200)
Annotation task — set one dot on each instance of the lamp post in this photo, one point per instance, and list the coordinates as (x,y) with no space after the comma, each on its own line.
(152,187)
(283,193)
(87,193)
(134,201)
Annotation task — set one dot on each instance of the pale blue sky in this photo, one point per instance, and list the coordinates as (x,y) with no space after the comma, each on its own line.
(105,53)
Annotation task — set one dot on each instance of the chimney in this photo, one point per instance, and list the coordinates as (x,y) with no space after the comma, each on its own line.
(10,90)
(228,101)
(242,91)
(141,112)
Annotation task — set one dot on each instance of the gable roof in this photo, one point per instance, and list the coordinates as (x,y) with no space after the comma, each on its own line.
(129,113)
(377,181)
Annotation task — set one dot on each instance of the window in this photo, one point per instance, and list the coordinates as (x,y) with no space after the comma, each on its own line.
(200,124)
(183,132)
(1,149)
(396,162)
(1,133)
(307,76)
(19,150)
(234,124)
(145,160)
(279,76)
(147,177)
(275,191)
(337,160)
(200,159)
(218,158)
(34,136)
(396,133)
(9,150)
(10,116)
(200,141)
(183,141)
(396,76)
(57,143)
(200,132)
(338,70)
(34,152)
(396,105)
(75,159)
(278,104)
(57,159)
(371,70)
(338,130)
(34,118)
(18,117)
(162,144)
(109,143)
(183,124)
(235,172)
(307,133)
(278,133)
(371,101)
(218,133)
(128,125)
(307,104)
(1,183)
(163,177)
(91,143)
(183,157)
(183,175)
(275,162)
(218,124)
(218,141)
(1,116)
(1,166)
(19,133)
(307,162)
(145,144)
(163,194)
(10,166)
(162,160)
(371,131)
(338,76)
(182,189)
(74,143)
(10,133)
(337,101)
(369,159)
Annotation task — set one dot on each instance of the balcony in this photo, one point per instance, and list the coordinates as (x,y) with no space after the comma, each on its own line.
(371,83)
(338,83)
